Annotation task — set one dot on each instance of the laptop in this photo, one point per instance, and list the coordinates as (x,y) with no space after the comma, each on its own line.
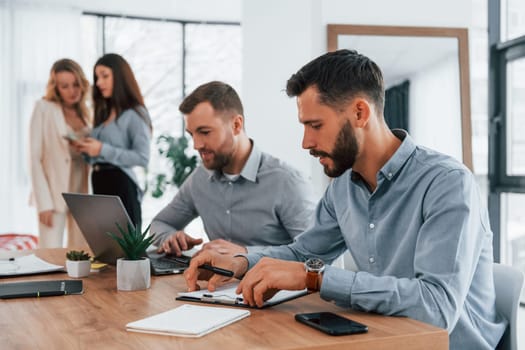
(98,214)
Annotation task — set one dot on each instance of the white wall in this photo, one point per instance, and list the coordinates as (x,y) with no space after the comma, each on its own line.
(278,38)
(436,123)
(281,36)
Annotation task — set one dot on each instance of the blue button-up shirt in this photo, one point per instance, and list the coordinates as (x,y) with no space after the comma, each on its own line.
(421,241)
(268,204)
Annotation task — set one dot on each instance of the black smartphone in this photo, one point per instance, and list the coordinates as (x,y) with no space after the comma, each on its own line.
(331,323)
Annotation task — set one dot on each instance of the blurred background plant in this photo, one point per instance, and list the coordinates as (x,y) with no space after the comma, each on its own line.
(174,149)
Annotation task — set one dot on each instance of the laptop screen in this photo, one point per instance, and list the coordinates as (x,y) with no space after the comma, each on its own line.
(95,216)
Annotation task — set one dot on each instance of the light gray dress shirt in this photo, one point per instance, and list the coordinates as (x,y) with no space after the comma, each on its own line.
(125,143)
(268,204)
(421,241)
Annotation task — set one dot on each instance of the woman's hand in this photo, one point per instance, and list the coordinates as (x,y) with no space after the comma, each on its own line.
(89,146)
(46,218)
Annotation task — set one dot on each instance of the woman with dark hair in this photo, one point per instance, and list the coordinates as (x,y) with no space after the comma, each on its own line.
(59,117)
(120,139)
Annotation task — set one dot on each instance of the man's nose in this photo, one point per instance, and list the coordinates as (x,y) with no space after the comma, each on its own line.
(308,142)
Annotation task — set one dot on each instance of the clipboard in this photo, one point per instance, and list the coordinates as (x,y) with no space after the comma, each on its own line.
(225,295)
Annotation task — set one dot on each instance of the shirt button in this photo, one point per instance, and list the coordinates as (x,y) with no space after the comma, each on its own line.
(389,175)
(372,260)
(228,211)
(230,183)
(371,226)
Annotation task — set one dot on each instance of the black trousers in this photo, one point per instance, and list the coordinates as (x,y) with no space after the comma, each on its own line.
(111,180)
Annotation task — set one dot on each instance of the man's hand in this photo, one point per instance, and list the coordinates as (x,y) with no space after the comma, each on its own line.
(222,246)
(46,218)
(268,277)
(178,242)
(238,265)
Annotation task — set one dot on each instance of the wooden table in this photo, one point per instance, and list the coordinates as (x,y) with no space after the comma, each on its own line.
(97,320)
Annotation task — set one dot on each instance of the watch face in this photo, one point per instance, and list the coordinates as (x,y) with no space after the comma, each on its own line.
(315,265)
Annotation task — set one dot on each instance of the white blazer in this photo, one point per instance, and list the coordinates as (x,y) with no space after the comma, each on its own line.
(50,158)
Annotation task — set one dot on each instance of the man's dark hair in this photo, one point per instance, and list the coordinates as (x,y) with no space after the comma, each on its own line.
(340,76)
(221,96)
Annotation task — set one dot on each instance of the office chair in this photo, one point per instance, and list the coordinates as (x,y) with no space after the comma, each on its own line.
(508,282)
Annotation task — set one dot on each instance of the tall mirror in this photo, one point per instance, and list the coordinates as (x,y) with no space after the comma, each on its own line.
(426,76)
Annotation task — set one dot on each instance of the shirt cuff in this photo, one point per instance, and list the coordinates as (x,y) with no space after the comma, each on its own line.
(253,258)
(252,249)
(106,151)
(337,286)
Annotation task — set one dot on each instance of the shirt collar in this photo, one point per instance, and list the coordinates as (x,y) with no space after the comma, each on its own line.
(395,163)
(250,169)
(399,158)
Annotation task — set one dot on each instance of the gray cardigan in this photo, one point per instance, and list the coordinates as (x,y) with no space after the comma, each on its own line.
(125,143)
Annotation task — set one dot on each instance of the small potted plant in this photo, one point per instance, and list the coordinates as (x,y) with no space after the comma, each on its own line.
(78,263)
(133,271)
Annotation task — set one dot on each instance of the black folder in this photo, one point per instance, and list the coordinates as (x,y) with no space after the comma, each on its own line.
(40,288)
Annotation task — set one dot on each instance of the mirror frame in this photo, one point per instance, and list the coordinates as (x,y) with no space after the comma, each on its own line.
(461,34)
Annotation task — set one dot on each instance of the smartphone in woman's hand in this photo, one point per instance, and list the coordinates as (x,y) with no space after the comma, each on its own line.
(70,137)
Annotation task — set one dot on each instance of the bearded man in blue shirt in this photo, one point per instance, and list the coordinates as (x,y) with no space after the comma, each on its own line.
(411,217)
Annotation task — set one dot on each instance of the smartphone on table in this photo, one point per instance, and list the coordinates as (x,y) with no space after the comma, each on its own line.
(331,323)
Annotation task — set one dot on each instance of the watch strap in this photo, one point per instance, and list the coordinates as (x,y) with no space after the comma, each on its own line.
(312,281)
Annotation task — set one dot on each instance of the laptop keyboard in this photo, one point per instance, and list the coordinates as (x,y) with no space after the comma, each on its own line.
(167,263)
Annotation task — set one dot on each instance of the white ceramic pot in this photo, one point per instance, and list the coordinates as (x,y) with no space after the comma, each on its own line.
(78,268)
(133,274)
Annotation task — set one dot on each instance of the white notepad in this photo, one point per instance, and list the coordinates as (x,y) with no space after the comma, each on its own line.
(188,321)
(26,265)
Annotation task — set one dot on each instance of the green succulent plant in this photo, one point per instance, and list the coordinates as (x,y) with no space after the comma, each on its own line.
(133,242)
(76,255)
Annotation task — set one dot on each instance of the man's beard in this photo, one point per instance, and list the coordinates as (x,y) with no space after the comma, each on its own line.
(344,153)
(220,161)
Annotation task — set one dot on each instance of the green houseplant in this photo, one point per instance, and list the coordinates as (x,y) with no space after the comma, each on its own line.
(174,149)
(133,271)
(78,263)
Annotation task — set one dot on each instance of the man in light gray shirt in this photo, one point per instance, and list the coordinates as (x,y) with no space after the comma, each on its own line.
(246,199)
(411,217)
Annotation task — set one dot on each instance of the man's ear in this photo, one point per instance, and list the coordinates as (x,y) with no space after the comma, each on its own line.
(237,124)
(361,112)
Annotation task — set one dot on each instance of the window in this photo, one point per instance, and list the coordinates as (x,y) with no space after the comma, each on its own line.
(507,130)
(512,19)
(169,58)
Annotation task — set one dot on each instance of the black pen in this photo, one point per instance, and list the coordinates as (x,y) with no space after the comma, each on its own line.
(217,270)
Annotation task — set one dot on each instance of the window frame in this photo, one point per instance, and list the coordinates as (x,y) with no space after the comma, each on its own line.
(500,55)
(184,23)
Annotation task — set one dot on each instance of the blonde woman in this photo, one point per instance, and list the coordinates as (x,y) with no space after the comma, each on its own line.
(59,119)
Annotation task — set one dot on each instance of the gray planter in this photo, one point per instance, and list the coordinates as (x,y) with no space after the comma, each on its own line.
(133,274)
